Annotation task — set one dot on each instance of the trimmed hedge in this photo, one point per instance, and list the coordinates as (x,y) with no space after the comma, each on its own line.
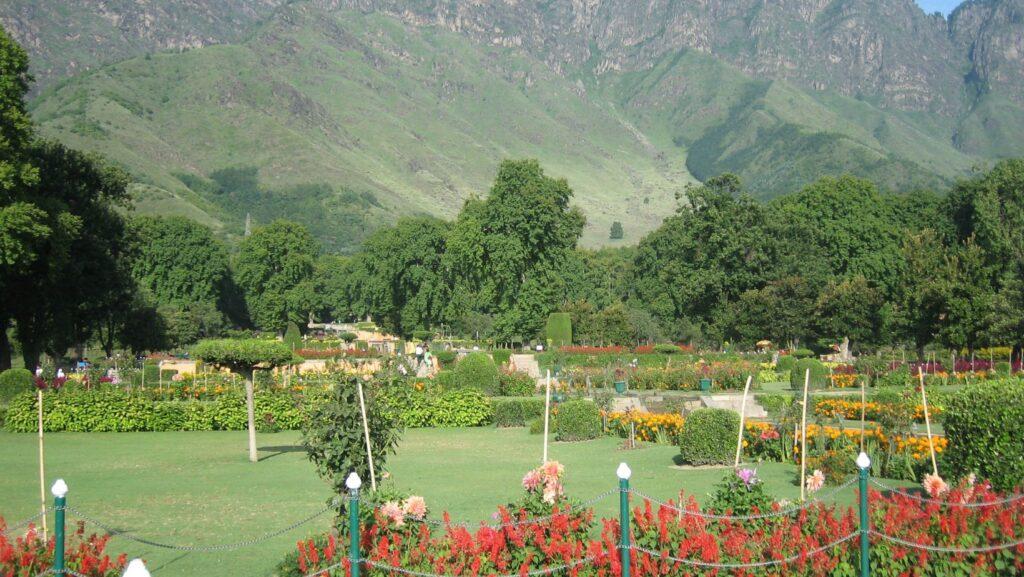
(983,423)
(708,437)
(516,412)
(432,408)
(517,384)
(667,349)
(477,371)
(577,421)
(819,374)
(14,382)
(559,330)
(114,410)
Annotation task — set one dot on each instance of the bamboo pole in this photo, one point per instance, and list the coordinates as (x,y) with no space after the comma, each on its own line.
(863,410)
(928,428)
(547,414)
(743,415)
(803,439)
(42,467)
(366,434)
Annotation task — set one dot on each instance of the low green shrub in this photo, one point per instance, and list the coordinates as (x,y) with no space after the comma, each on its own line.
(774,404)
(516,384)
(803,353)
(785,363)
(516,412)
(983,425)
(501,356)
(667,349)
(1002,368)
(15,381)
(819,374)
(537,425)
(446,358)
(446,379)
(477,371)
(708,437)
(461,408)
(578,421)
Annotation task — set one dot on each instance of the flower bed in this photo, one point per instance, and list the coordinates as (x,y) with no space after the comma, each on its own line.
(29,555)
(817,540)
(648,427)
(873,411)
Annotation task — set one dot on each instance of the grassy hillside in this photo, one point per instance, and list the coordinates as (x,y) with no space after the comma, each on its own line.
(776,136)
(376,118)
(346,121)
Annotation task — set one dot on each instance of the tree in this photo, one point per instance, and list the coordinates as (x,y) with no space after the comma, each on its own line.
(715,248)
(178,261)
(400,278)
(79,285)
(782,311)
(919,300)
(969,299)
(504,253)
(851,308)
(244,356)
(846,223)
(333,435)
(272,263)
(616,231)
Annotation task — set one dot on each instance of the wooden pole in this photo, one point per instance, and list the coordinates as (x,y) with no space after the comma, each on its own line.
(547,414)
(366,434)
(42,474)
(863,410)
(803,439)
(743,415)
(928,428)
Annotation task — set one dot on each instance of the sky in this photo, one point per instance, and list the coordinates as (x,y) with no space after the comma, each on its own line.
(944,6)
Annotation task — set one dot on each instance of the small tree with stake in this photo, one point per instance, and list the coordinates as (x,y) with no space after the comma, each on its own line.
(244,356)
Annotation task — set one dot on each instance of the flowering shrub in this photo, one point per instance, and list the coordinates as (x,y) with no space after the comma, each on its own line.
(28,555)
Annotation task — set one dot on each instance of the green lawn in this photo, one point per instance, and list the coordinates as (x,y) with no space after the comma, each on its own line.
(199,489)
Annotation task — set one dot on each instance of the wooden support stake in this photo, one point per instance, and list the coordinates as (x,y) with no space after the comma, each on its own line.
(803,439)
(547,414)
(366,434)
(42,473)
(743,415)
(863,410)
(928,428)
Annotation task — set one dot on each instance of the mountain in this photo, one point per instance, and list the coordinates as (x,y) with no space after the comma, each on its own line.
(345,114)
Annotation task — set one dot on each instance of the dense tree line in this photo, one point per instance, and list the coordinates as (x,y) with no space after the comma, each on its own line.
(838,259)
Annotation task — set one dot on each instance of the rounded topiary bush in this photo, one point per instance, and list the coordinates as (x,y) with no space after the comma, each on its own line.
(517,384)
(578,421)
(13,382)
(667,349)
(708,437)
(478,371)
(819,374)
(803,353)
(983,425)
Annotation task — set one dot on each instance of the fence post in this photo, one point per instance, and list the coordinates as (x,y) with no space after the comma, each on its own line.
(624,473)
(353,482)
(136,568)
(864,464)
(60,493)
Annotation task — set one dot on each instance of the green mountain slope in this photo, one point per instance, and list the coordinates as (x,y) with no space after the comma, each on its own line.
(355,107)
(778,137)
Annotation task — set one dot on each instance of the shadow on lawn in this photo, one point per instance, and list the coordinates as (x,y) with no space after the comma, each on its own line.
(280,450)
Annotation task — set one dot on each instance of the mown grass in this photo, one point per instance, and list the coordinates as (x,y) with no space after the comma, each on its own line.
(197,488)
